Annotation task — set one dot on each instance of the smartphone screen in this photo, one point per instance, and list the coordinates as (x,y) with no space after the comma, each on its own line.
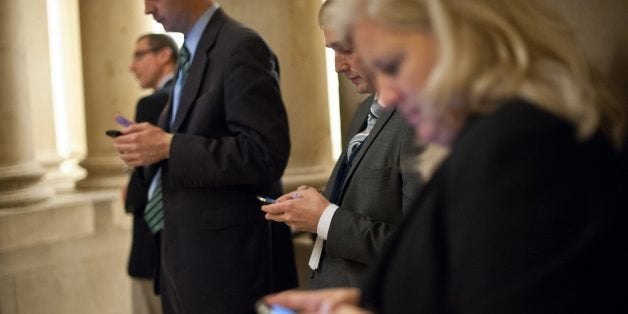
(263,308)
(278,309)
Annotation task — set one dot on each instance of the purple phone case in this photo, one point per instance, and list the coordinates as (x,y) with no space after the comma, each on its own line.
(123,121)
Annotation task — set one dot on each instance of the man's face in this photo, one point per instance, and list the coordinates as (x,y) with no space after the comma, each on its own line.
(172,14)
(404,59)
(146,64)
(348,63)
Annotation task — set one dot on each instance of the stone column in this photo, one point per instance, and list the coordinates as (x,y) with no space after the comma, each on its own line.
(20,174)
(34,23)
(67,86)
(108,33)
(291,29)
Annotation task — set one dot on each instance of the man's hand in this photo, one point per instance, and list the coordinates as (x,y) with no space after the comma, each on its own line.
(318,301)
(143,144)
(300,210)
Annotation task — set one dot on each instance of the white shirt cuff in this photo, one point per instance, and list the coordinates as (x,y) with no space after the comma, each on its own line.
(325,221)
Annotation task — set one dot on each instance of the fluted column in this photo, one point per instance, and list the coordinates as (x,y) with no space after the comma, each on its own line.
(20,174)
(108,33)
(291,29)
(34,23)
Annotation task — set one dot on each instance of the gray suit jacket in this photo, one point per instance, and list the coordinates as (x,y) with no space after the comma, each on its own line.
(378,189)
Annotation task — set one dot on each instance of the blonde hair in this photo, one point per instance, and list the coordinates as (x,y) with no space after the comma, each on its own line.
(492,50)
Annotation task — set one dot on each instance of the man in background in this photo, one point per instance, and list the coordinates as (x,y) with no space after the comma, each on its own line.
(154,63)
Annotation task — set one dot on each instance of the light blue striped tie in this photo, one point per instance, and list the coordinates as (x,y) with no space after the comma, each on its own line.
(357,140)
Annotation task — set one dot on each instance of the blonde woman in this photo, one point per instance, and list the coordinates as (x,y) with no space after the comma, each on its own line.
(528,214)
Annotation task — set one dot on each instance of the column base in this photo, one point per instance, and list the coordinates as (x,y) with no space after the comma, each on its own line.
(103,173)
(57,219)
(61,174)
(21,185)
(62,253)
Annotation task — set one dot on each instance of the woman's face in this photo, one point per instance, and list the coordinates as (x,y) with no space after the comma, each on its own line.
(404,60)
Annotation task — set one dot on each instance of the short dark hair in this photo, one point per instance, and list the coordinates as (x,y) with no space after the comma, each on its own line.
(157,42)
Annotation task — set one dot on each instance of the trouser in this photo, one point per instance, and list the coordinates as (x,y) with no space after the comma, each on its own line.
(143,298)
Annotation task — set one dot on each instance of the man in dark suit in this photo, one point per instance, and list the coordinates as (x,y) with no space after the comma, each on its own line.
(370,188)
(154,63)
(222,139)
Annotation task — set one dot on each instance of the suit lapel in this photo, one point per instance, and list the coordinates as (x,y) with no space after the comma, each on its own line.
(198,67)
(165,113)
(382,121)
(162,122)
(354,127)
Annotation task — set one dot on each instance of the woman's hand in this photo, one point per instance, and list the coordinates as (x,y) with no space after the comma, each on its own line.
(319,301)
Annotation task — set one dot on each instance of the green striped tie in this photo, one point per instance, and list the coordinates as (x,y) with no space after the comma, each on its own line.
(154,212)
(184,62)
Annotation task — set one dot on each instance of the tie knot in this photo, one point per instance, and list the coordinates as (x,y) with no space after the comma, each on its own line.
(376,110)
(184,54)
(184,61)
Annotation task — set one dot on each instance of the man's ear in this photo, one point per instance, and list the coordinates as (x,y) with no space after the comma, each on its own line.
(164,55)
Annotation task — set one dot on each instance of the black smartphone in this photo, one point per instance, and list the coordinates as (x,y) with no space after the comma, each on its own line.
(263,308)
(113,133)
(266,200)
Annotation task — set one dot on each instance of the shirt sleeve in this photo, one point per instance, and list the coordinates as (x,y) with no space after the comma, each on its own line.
(325,221)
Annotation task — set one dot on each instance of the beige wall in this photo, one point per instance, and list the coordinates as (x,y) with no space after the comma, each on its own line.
(601,28)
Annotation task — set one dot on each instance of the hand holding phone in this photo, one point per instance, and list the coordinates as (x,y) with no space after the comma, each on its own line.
(263,308)
(113,133)
(121,120)
(266,200)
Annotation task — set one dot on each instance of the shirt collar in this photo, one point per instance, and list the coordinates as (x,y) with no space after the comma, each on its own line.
(376,102)
(194,35)
(164,80)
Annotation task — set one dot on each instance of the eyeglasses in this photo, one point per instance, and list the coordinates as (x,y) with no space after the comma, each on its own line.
(139,54)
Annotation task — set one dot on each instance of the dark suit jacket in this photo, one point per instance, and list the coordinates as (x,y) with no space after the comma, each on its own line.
(521,218)
(376,192)
(230,143)
(142,259)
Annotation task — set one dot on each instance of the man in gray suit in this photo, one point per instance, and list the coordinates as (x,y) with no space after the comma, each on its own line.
(369,190)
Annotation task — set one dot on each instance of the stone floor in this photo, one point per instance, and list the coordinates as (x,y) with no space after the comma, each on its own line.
(69,256)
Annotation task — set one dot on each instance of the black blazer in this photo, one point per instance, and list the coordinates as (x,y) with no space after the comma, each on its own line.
(231,142)
(378,188)
(142,259)
(521,218)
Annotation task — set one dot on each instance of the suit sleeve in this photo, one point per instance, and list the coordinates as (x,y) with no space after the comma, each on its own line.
(360,238)
(256,148)
(137,188)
